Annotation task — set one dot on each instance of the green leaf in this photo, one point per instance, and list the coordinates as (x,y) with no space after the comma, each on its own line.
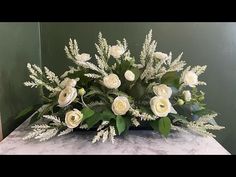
(107,115)
(204,112)
(125,65)
(138,90)
(128,124)
(164,126)
(146,110)
(179,118)
(43,112)
(87,112)
(93,90)
(120,124)
(136,72)
(93,120)
(155,125)
(26,111)
(171,79)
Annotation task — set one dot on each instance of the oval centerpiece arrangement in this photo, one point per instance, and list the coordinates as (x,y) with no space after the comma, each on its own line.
(119,92)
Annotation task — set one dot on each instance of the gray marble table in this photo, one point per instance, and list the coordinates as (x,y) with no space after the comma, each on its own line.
(136,142)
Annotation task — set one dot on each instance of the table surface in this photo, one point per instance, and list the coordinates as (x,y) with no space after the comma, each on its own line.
(136,142)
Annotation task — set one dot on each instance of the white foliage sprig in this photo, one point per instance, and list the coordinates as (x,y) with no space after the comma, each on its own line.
(105,133)
(177,64)
(34,133)
(199,69)
(146,48)
(47,79)
(91,75)
(55,119)
(49,133)
(65,132)
(70,71)
(51,76)
(143,116)
(135,122)
(203,124)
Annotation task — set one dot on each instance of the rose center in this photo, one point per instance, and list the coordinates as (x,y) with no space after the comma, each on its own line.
(161,106)
(120,105)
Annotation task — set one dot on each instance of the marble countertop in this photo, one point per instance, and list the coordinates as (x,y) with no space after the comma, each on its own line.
(136,142)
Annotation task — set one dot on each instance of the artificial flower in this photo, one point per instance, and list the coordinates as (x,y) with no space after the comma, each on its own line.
(191,79)
(116,51)
(187,95)
(68,82)
(160,55)
(120,105)
(67,96)
(129,75)
(83,57)
(161,106)
(162,90)
(73,118)
(112,81)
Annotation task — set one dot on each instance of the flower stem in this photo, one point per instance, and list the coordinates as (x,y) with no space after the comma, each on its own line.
(82,99)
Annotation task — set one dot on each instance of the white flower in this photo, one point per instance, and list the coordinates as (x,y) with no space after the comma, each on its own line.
(67,96)
(116,51)
(187,95)
(160,55)
(191,79)
(161,106)
(162,90)
(112,81)
(68,82)
(73,118)
(83,57)
(120,105)
(129,75)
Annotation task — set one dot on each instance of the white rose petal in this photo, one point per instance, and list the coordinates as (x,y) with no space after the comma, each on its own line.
(191,79)
(112,81)
(162,90)
(129,75)
(120,105)
(160,55)
(73,118)
(116,51)
(83,57)
(67,96)
(68,82)
(161,106)
(187,95)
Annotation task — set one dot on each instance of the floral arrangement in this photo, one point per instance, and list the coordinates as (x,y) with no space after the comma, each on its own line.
(119,92)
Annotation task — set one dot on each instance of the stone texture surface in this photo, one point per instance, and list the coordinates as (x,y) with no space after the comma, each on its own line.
(136,142)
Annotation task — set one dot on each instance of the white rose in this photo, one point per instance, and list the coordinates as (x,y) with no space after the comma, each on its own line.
(116,51)
(120,105)
(67,96)
(73,118)
(83,57)
(129,75)
(187,95)
(162,90)
(161,106)
(191,79)
(160,55)
(112,81)
(68,82)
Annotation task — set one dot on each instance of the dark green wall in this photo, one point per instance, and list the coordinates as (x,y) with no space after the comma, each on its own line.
(212,44)
(19,44)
